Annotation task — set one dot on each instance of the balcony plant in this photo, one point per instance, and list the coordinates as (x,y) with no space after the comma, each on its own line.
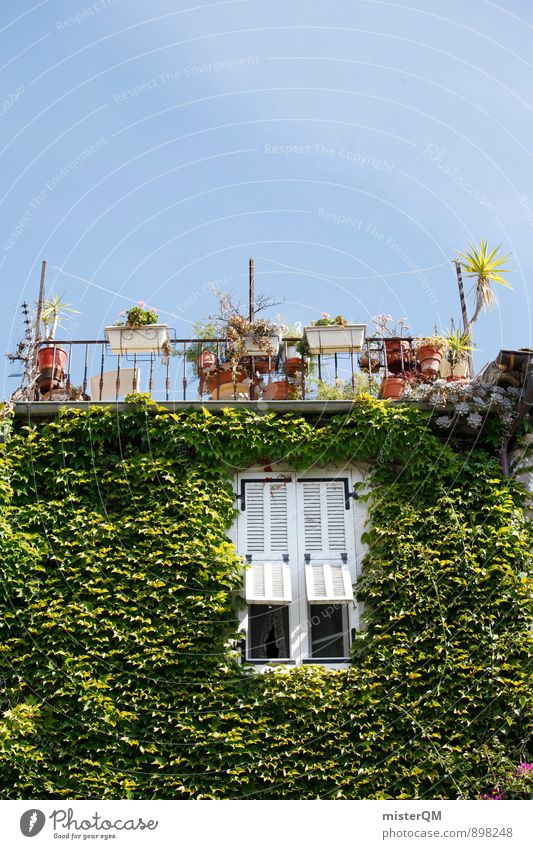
(204,354)
(429,351)
(139,332)
(251,343)
(397,347)
(328,335)
(486,267)
(51,359)
(393,386)
(456,354)
(293,354)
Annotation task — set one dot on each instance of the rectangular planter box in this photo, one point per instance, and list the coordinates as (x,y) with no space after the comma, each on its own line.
(131,340)
(252,350)
(335,339)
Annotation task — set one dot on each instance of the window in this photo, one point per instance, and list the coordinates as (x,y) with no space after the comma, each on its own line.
(298,536)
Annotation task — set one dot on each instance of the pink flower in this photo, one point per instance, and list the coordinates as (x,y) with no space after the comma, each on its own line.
(122,314)
(325,315)
(142,304)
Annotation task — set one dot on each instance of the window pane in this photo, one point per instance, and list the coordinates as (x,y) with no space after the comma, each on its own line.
(328,630)
(268,632)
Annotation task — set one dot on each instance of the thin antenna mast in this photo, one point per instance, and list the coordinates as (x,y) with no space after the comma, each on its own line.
(251,290)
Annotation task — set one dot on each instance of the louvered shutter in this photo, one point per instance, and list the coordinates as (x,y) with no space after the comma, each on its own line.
(265,520)
(328,582)
(264,541)
(327,543)
(324,516)
(268,583)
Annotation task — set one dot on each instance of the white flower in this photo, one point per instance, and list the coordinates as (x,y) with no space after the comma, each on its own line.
(477,399)
(443,421)
(474,420)
(462,408)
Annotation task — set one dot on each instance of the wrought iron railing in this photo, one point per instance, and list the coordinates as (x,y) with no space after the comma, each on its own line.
(87,370)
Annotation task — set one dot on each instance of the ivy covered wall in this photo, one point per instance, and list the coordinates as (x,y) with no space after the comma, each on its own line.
(118,616)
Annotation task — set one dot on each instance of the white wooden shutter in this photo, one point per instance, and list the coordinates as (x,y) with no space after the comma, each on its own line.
(264,540)
(328,546)
(268,583)
(265,520)
(328,582)
(324,517)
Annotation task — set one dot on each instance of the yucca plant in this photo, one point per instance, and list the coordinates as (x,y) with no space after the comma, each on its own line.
(54,310)
(487,268)
(458,347)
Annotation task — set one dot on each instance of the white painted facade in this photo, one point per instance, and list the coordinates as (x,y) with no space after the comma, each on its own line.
(301,535)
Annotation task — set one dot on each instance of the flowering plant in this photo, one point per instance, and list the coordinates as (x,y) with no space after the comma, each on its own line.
(469,401)
(138,316)
(518,784)
(382,324)
(436,341)
(328,321)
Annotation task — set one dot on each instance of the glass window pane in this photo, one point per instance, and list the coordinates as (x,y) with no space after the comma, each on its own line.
(268,632)
(328,630)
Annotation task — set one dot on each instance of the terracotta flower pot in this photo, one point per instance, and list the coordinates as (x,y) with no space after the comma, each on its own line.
(264,366)
(398,353)
(228,391)
(52,356)
(222,378)
(454,378)
(206,360)
(292,366)
(278,390)
(392,387)
(366,363)
(50,378)
(429,359)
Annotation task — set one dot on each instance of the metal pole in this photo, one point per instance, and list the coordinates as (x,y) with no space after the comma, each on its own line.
(461,293)
(251,289)
(464,312)
(40,304)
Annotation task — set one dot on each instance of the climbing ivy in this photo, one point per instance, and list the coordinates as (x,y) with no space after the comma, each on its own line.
(120,677)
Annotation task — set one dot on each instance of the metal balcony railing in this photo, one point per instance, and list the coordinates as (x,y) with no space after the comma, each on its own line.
(199,369)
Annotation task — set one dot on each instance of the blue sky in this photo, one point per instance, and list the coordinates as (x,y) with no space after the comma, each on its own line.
(351,147)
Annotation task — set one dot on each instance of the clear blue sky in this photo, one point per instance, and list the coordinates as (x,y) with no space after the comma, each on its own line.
(150,146)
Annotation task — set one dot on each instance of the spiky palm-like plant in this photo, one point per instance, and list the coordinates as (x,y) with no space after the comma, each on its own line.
(54,310)
(487,268)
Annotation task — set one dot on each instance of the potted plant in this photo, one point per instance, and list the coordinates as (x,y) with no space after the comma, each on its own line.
(397,347)
(257,338)
(277,389)
(486,267)
(329,335)
(139,333)
(221,380)
(293,354)
(204,354)
(51,359)
(456,355)
(392,387)
(429,354)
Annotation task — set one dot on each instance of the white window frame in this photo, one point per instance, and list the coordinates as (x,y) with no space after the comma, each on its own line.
(299,606)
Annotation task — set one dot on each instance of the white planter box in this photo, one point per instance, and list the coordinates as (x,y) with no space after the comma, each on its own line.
(335,338)
(252,349)
(147,339)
